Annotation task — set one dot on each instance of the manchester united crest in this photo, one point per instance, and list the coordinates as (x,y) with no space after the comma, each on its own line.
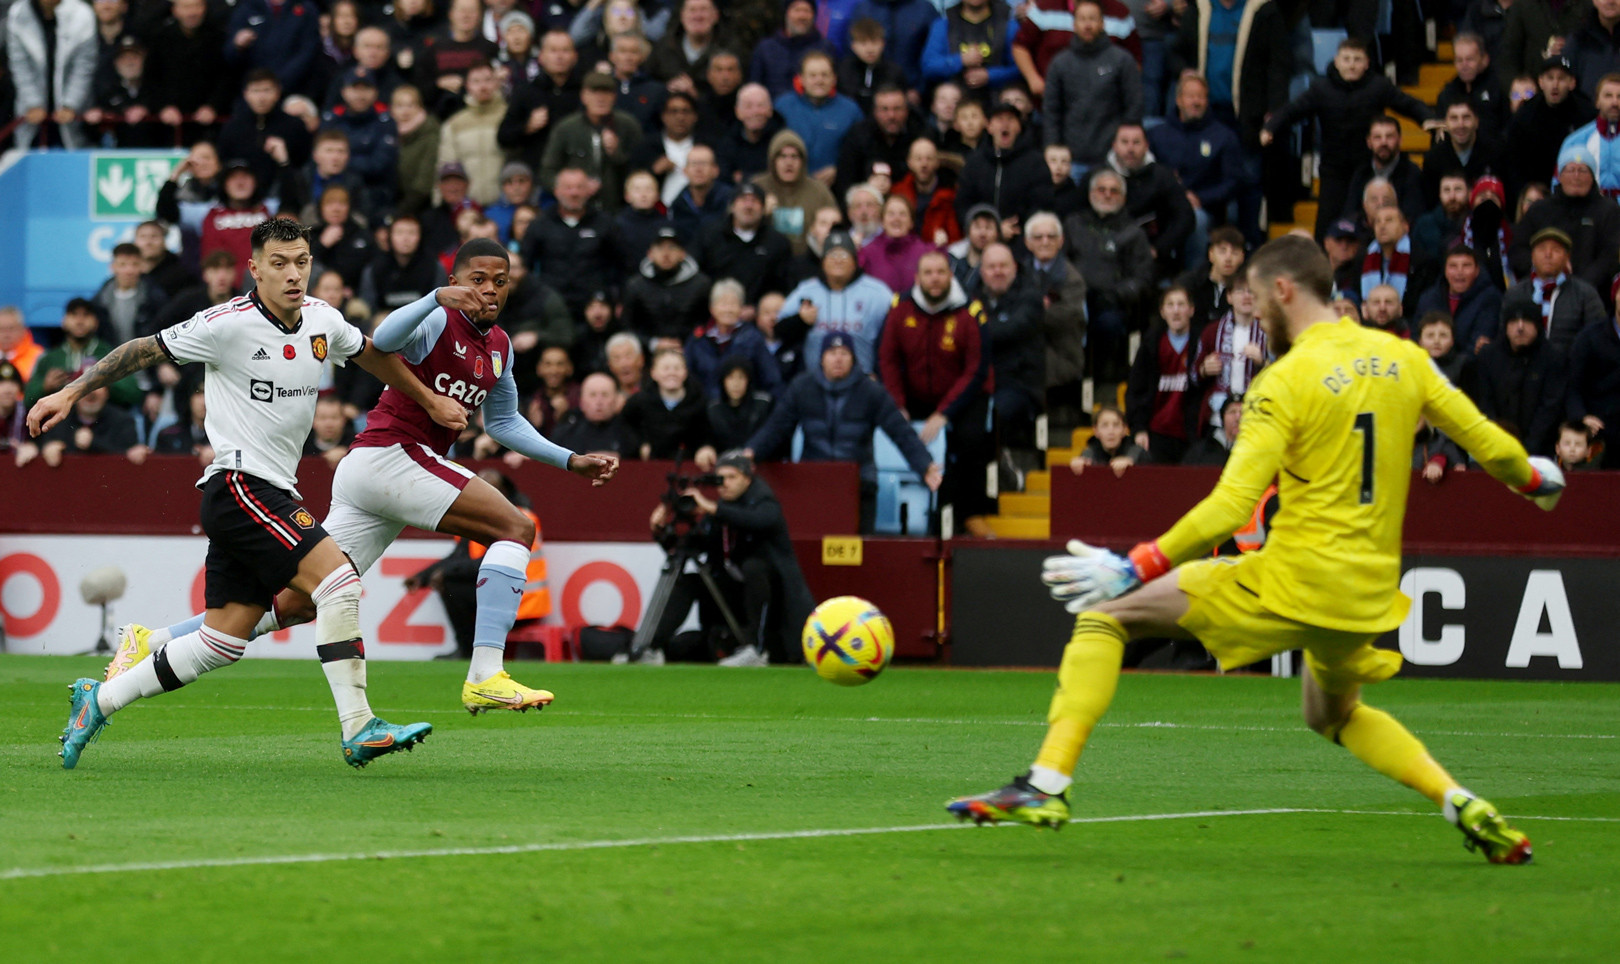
(303,520)
(317,345)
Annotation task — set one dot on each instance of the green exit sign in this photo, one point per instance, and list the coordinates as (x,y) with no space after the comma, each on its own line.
(124,187)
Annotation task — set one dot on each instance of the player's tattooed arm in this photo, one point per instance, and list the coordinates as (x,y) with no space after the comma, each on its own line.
(121,362)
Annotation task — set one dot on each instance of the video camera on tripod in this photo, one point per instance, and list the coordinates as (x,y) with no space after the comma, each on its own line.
(683,509)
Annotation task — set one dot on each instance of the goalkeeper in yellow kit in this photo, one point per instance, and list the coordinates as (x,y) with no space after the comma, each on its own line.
(1332,421)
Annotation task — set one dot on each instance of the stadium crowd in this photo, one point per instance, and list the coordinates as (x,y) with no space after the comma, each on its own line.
(734,219)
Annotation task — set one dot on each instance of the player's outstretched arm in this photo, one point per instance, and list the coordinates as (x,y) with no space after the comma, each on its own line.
(125,360)
(506,426)
(401,326)
(388,367)
(1500,454)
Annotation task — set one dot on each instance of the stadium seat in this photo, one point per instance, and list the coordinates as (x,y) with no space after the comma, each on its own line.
(556,642)
(904,504)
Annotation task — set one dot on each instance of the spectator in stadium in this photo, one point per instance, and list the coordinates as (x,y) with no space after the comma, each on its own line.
(1154,196)
(1592,46)
(892,257)
(1434,453)
(404,272)
(1110,444)
(1160,400)
(218,286)
(1477,83)
(338,25)
(640,95)
(1574,447)
(557,393)
(1598,138)
(443,224)
(519,59)
(535,108)
(905,26)
(573,247)
(80,349)
(1540,125)
(1438,335)
(1485,19)
(160,264)
(864,204)
(94,427)
(745,246)
(1381,309)
(972,45)
(517,189)
(774,58)
(1091,88)
(704,200)
(627,363)
(1387,162)
(596,427)
(187,69)
(1208,284)
(14,438)
(864,68)
(1392,260)
(1522,378)
(681,58)
(260,132)
(1463,149)
(931,194)
(328,166)
(1013,319)
(123,103)
(672,418)
(1116,261)
(279,37)
(129,300)
(331,433)
(17,346)
(820,115)
(372,52)
(1466,295)
(1345,102)
(1204,155)
(640,219)
(933,365)
(1230,352)
(741,410)
(842,300)
(1534,28)
(341,242)
(743,149)
(468,137)
(789,360)
(53,52)
(983,230)
(1047,29)
(1568,303)
(1009,174)
(444,56)
(1581,213)
(418,150)
(838,408)
(885,136)
(791,196)
(1344,251)
(589,352)
(1062,289)
(664,155)
(1594,386)
(967,130)
(596,25)
(1067,196)
(228,226)
(1443,223)
(597,140)
(725,337)
(1215,447)
(668,297)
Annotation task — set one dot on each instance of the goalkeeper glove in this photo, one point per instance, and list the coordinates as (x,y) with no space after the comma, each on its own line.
(1089,575)
(1546,483)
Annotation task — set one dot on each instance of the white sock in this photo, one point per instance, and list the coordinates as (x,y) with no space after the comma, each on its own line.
(137,682)
(1449,809)
(159,638)
(1048,780)
(267,623)
(486,662)
(173,666)
(347,677)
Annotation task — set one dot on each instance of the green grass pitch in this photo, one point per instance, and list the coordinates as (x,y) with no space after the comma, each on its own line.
(674,814)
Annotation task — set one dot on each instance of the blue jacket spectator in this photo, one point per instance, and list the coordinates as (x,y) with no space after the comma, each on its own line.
(690,214)
(905,31)
(776,58)
(1206,154)
(373,146)
(818,115)
(1478,308)
(942,52)
(285,39)
(856,307)
(724,338)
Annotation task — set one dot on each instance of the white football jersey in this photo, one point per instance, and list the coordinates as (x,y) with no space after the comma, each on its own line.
(262,381)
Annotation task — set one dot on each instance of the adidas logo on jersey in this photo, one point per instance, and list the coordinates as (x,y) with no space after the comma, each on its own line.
(261,355)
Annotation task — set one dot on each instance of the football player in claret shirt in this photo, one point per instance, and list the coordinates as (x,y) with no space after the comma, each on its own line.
(265,352)
(1332,421)
(396,473)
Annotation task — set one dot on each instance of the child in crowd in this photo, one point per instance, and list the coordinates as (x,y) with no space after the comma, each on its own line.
(1575,447)
(1067,198)
(1230,352)
(1160,402)
(674,418)
(741,409)
(864,69)
(640,220)
(1110,444)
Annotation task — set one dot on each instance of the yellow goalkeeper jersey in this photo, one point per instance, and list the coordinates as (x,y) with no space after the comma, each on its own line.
(1333,421)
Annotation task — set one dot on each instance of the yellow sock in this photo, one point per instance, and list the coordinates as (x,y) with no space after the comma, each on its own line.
(1380,741)
(1086,683)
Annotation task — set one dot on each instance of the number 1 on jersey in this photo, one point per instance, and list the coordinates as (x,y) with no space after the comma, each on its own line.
(1364,425)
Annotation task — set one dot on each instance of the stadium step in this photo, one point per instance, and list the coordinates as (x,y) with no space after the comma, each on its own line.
(1018,527)
(1039,481)
(1026,505)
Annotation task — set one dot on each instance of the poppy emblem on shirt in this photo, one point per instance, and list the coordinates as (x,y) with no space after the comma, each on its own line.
(478,367)
(289,352)
(317,345)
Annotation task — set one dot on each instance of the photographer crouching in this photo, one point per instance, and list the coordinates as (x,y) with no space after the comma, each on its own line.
(746,579)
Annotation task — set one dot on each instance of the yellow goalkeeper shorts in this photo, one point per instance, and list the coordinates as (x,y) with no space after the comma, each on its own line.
(1225,613)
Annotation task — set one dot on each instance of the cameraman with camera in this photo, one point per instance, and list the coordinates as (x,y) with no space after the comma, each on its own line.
(747,572)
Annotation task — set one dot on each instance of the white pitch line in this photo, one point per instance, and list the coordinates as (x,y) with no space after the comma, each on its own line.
(17,873)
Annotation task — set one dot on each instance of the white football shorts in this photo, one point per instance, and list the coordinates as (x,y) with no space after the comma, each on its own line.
(379,490)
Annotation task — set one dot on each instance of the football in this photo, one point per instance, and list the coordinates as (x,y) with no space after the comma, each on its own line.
(848,640)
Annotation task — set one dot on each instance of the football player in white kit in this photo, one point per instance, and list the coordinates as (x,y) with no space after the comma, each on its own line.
(396,473)
(264,353)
